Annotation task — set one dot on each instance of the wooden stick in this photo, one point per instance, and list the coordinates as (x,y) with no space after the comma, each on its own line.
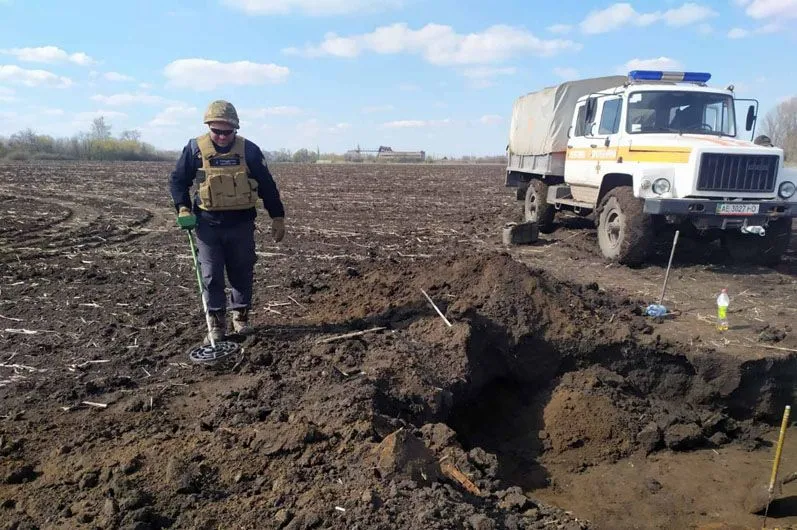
(436,309)
(348,335)
(297,303)
(770,347)
(93,404)
(451,471)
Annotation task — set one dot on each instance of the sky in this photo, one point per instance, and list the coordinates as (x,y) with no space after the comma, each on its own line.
(433,75)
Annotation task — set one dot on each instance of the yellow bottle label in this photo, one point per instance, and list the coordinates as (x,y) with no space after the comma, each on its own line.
(722,312)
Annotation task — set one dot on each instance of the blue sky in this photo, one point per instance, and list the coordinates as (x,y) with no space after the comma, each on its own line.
(437,75)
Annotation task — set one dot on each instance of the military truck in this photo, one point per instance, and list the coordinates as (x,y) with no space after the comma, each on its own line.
(646,153)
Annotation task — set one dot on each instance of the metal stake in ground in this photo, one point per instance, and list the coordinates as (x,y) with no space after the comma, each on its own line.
(214,351)
(667,275)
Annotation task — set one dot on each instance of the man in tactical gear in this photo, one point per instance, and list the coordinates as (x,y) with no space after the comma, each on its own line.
(231,177)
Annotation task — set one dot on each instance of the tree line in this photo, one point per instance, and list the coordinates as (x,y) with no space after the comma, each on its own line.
(780,124)
(96,144)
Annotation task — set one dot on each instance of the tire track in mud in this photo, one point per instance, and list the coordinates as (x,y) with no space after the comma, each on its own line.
(80,223)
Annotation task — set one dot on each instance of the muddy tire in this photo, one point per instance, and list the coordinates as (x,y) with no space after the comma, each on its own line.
(625,232)
(536,208)
(753,249)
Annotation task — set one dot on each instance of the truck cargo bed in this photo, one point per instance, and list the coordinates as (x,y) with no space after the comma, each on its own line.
(546,165)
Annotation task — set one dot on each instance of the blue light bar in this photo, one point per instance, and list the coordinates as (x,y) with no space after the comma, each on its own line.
(658,75)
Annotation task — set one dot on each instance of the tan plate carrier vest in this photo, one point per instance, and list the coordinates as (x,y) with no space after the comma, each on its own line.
(224,180)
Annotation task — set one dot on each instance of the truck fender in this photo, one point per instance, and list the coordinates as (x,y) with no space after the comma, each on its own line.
(611,181)
(644,178)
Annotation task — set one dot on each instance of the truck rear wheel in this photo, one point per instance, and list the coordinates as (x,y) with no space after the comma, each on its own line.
(767,250)
(625,231)
(536,208)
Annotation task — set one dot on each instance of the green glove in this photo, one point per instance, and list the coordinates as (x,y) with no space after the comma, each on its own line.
(185,219)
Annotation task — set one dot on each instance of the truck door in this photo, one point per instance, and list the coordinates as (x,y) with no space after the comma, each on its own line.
(579,157)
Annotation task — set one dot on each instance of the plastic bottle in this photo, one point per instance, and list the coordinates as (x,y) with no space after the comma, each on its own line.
(722,310)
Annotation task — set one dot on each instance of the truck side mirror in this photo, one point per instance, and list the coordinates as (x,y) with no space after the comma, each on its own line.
(570,132)
(750,117)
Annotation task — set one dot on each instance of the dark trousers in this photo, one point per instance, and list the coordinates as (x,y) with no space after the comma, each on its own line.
(231,249)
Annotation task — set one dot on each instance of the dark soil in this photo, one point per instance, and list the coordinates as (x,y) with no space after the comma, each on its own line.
(542,381)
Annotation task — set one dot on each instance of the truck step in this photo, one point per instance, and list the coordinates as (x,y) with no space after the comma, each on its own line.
(576,204)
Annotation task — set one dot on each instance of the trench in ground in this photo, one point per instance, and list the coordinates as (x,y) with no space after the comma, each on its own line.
(628,436)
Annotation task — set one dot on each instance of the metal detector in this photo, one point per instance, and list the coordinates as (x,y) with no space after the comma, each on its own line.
(215,351)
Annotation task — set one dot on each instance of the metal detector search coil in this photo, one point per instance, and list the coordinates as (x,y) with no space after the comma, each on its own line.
(212,353)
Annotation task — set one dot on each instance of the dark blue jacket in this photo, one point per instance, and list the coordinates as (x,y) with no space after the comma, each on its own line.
(184,174)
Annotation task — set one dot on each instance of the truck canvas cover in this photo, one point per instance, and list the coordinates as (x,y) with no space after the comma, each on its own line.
(540,120)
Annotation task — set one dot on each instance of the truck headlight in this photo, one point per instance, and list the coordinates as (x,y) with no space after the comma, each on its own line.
(787,189)
(662,186)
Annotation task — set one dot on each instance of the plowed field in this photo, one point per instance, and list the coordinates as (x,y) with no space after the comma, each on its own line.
(550,401)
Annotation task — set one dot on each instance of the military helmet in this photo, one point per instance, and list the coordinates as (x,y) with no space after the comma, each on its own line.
(221,110)
(763,139)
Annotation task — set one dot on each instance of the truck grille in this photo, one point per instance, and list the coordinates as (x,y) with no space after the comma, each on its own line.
(724,172)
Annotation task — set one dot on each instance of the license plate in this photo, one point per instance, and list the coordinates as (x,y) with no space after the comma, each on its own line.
(725,208)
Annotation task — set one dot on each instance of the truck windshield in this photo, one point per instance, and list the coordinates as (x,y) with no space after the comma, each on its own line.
(658,111)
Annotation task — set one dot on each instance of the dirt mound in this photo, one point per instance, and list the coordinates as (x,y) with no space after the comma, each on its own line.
(589,419)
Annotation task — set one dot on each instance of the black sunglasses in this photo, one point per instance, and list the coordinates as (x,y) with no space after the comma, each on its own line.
(222,132)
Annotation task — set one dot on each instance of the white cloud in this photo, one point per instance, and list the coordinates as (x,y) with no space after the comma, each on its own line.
(761,9)
(84,117)
(560,28)
(378,108)
(174,115)
(6,94)
(416,124)
(658,63)
(439,44)
(51,112)
(117,77)
(145,86)
(14,74)
(491,119)
(622,14)
(118,100)
(284,110)
(311,7)
(738,33)
(49,54)
(340,127)
(206,74)
(568,74)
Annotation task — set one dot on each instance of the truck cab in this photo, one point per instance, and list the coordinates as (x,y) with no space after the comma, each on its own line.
(661,149)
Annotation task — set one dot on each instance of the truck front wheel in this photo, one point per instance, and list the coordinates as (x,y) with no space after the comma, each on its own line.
(625,231)
(536,208)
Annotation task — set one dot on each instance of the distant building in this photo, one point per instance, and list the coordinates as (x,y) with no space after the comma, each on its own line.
(384,154)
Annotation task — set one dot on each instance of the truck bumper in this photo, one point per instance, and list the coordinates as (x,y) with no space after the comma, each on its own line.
(691,207)
(717,214)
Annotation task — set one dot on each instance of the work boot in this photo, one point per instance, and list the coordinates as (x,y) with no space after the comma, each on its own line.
(218,327)
(240,322)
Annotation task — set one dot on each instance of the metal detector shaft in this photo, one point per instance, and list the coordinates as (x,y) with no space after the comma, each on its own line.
(202,293)
(667,275)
